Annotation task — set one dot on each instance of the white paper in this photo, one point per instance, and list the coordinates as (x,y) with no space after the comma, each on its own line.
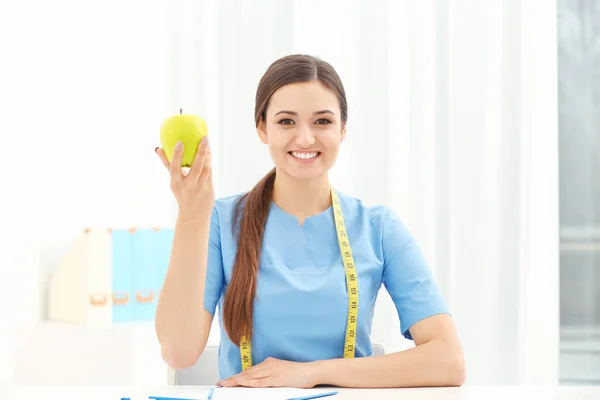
(237,393)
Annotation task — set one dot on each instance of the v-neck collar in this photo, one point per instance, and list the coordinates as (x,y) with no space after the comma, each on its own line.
(325,215)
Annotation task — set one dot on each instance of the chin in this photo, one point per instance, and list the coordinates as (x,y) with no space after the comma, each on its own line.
(304,174)
(307,177)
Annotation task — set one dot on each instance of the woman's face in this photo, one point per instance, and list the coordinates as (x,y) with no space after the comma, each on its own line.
(303,129)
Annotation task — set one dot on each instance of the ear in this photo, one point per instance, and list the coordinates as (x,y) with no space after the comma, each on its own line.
(343,132)
(261,129)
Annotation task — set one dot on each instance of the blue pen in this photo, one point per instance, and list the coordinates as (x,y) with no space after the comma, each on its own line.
(314,396)
(210,393)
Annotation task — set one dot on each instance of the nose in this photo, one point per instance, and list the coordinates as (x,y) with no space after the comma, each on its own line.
(305,136)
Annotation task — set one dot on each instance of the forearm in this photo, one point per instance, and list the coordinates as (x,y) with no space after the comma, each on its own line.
(179,313)
(430,364)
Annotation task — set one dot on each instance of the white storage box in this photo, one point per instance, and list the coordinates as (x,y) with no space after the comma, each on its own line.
(110,276)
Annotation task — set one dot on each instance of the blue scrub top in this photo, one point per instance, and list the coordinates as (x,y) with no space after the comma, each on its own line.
(301,306)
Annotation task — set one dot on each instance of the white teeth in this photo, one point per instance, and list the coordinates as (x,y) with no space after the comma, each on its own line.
(304,156)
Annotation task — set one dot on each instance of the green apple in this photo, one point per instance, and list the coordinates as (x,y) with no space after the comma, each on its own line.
(188,128)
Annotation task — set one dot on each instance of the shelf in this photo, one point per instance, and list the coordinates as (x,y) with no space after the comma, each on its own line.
(580,354)
(579,331)
(579,233)
(51,353)
(593,247)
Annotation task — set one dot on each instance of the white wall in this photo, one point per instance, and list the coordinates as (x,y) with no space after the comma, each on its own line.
(84,88)
(451,124)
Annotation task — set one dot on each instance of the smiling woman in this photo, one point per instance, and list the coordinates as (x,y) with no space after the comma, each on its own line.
(294,265)
(303,122)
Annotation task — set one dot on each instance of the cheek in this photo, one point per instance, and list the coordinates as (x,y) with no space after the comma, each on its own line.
(332,140)
(275,143)
(277,148)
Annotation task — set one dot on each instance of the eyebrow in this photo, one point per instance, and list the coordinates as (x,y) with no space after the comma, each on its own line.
(315,113)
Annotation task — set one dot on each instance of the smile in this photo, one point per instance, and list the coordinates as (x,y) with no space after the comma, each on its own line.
(305,155)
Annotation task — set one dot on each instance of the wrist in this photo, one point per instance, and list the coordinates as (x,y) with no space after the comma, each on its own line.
(192,221)
(320,372)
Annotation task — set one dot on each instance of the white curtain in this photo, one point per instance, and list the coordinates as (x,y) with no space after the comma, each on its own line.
(452,122)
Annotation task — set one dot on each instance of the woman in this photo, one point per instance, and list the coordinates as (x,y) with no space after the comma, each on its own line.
(288,292)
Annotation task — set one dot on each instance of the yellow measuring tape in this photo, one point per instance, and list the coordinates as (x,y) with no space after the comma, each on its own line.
(351,283)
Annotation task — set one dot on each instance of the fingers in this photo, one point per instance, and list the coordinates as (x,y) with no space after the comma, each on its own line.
(199,162)
(229,382)
(175,167)
(254,372)
(260,374)
(207,169)
(258,382)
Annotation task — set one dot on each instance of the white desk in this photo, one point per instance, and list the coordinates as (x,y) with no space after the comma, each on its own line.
(462,393)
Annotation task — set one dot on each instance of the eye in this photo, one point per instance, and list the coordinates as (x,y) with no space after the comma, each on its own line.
(286,121)
(323,121)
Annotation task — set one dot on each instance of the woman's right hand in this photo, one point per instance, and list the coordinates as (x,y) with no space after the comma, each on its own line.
(194,190)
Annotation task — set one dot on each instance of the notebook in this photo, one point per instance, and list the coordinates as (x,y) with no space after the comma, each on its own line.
(236,393)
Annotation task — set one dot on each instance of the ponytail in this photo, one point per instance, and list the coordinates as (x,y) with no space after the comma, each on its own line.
(239,299)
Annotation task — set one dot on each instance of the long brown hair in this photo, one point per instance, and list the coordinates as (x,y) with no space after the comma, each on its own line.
(239,299)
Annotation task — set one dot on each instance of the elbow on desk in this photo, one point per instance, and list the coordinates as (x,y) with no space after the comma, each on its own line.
(457,374)
(181,357)
(181,348)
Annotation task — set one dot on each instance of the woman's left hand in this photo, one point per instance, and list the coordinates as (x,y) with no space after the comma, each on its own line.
(275,373)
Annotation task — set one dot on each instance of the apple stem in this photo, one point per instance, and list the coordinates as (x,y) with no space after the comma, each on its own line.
(180,111)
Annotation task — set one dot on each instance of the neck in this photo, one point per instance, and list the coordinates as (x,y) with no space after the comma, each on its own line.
(302,198)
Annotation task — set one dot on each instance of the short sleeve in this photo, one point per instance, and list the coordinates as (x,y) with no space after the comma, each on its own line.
(407,276)
(214,266)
